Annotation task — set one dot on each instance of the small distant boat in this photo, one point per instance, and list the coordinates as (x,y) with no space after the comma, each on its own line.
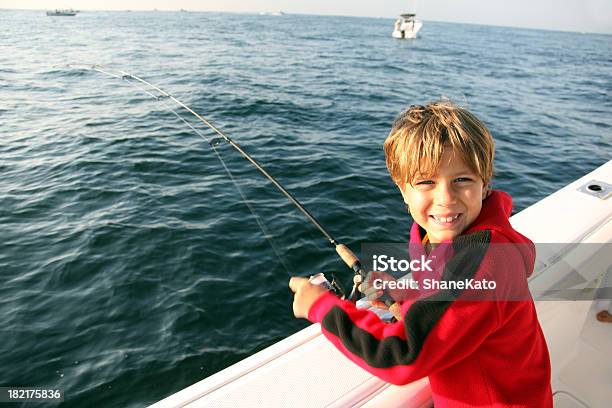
(65,12)
(273,13)
(407,26)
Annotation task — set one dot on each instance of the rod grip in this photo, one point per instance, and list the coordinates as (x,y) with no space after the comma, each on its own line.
(347,255)
(353,262)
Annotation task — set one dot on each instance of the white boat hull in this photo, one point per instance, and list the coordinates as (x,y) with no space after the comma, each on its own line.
(407,32)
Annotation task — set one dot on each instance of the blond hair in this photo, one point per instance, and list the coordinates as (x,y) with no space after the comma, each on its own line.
(420,134)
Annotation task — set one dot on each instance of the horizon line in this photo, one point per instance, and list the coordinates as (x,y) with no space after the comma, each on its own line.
(311,14)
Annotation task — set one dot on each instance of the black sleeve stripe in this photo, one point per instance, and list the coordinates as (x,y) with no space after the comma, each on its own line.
(419,319)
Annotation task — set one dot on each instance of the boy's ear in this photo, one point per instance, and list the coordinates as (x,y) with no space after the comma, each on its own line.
(402,190)
(486,191)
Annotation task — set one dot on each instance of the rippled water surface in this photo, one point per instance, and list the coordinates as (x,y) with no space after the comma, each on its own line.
(131,267)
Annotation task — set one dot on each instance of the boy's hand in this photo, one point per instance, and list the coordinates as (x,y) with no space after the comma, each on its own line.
(305,295)
(372,294)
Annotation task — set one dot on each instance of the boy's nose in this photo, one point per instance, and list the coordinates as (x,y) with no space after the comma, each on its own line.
(444,194)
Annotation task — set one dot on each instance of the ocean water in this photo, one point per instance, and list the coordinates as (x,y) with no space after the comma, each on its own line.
(130,265)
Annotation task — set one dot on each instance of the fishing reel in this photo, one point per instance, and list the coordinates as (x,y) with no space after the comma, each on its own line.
(333,286)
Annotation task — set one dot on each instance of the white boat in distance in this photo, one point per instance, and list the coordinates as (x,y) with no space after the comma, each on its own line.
(272,13)
(65,12)
(407,26)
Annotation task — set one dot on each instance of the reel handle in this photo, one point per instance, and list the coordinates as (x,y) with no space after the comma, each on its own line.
(354,263)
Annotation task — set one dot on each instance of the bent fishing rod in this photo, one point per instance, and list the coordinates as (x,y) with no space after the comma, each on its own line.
(349,258)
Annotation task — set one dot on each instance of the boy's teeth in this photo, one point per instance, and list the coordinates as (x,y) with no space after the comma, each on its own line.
(448,219)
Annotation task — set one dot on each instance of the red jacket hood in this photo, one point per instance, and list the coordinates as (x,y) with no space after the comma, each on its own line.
(494,216)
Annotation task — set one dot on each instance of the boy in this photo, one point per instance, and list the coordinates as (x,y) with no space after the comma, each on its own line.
(477,350)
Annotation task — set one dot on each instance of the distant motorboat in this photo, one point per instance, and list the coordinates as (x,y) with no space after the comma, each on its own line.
(272,13)
(407,26)
(65,12)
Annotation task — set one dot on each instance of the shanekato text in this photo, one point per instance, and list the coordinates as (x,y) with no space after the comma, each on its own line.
(475,284)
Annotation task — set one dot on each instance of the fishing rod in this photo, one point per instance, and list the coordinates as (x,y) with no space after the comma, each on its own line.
(349,258)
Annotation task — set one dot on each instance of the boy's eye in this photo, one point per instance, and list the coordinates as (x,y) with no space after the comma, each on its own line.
(463,179)
(418,183)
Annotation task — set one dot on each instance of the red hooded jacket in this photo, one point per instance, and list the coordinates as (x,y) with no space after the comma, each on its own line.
(475,351)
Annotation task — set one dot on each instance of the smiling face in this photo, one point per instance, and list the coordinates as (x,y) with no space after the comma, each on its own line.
(447,202)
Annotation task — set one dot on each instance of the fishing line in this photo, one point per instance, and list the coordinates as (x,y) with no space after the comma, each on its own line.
(342,250)
(213,145)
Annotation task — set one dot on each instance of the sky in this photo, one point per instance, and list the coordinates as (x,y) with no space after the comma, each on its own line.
(565,15)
